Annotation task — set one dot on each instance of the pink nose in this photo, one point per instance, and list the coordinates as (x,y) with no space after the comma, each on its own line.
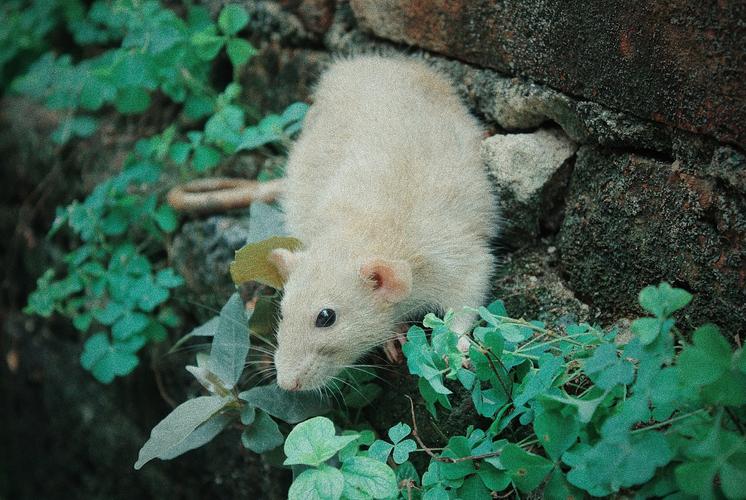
(293,385)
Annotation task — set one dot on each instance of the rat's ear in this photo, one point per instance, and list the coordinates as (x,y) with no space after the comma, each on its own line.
(390,279)
(284,261)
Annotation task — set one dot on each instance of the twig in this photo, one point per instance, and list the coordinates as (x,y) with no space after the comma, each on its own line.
(161,388)
(429,451)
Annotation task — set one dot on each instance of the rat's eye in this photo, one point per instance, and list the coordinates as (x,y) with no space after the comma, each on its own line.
(326,318)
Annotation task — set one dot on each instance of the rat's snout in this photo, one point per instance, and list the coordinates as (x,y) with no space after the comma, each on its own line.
(292,370)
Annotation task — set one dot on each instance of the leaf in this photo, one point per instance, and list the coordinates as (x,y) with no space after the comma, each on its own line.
(239,51)
(250,262)
(606,369)
(262,435)
(313,442)
(403,449)
(324,483)
(706,360)
(556,432)
(292,407)
(697,478)
(618,463)
(232,19)
(399,432)
(132,100)
(106,361)
(368,478)
(231,342)
(205,158)
(646,329)
(380,450)
(207,44)
(202,435)
(130,324)
(168,278)
(664,300)
(526,470)
(209,380)
(176,428)
(166,218)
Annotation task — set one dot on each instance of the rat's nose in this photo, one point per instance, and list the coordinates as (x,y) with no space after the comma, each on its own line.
(292,384)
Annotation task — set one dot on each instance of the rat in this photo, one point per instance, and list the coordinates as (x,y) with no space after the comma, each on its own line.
(387,193)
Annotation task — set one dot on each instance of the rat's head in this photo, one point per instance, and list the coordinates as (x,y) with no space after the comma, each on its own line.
(335,308)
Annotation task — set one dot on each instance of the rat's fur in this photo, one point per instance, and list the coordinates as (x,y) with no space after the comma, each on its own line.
(386,190)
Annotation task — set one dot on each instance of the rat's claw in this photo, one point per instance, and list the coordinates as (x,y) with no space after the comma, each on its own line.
(392,348)
(392,351)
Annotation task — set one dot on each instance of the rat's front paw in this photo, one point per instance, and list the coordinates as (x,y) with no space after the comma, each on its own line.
(392,348)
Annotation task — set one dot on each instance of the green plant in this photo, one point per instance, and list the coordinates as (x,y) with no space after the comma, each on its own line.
(116,284)
(570,413)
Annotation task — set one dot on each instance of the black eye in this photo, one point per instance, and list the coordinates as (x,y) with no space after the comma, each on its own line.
(325,318)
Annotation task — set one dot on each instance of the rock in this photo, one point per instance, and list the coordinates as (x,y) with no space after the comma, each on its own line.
(316,15)
(529,283)
(531,174)
(680,63)
(201,252)
(633,221)
(279,76)
(82,437)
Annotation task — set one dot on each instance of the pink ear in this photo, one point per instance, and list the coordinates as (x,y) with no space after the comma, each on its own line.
(283,260)
(390,279)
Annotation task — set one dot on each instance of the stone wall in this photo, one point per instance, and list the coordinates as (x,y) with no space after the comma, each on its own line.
(616,130)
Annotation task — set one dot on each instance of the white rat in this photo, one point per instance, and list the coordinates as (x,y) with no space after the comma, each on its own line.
(387,193)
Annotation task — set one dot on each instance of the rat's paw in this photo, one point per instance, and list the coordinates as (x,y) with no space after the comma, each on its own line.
(392,348)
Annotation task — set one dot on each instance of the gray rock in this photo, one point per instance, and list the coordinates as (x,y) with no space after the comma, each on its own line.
(530,171)
(632,221)
(201,252)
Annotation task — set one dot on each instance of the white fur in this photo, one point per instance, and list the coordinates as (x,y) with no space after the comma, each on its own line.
(387,167)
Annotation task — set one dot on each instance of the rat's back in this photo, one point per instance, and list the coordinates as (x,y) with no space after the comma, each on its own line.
(389,151)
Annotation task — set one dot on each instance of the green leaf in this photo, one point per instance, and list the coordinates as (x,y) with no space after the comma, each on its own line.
(207,44)
(403,449)
(168,278)
(132,100)
(262,435)
(106,360)
(178,426)
(399,432)
(733,477)
(313,442)
(202,435)
(697,478)
(231,343)
(205,158)
(368,478)
(646,329)
(292,407)
(324,483)
(179,152)
(705,361)
(556,432)
(380,450)
(166,218)
(621,462)
(239,51)
(606,369)
(232,19)
(130,324)
(663,301)
(526,470)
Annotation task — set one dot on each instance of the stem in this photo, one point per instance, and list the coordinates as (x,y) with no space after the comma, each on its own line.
(429,451)
(669,421)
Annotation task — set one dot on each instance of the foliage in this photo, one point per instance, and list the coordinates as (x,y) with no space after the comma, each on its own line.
(116,285)
(570,412)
